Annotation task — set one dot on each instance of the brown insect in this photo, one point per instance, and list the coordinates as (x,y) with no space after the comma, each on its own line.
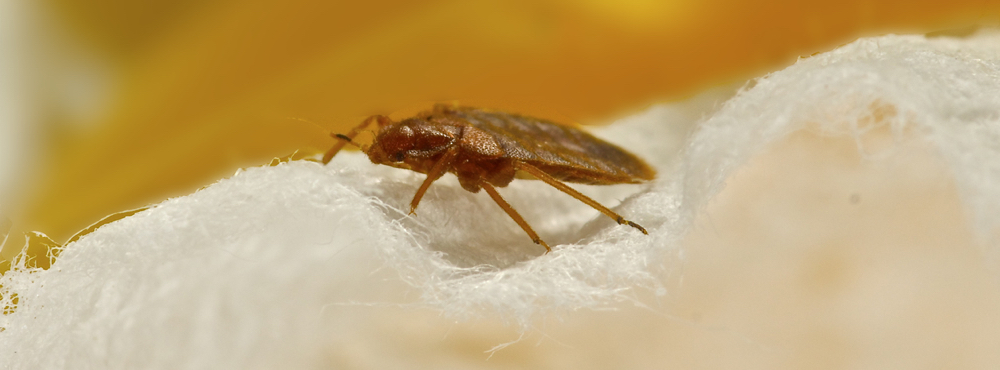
(490,148)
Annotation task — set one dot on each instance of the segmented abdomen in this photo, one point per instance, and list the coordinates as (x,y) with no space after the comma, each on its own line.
(564,152)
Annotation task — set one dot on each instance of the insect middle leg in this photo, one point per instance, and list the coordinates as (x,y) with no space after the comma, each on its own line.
(541,175)
(513,214)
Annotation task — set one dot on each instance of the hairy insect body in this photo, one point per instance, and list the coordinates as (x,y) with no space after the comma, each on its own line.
(487,149)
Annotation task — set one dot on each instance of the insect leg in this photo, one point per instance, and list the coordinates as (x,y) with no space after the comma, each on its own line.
(513,214)
(541,175)
(435,173)
(382,120)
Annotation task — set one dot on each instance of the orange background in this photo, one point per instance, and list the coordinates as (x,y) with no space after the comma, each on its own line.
(196,89)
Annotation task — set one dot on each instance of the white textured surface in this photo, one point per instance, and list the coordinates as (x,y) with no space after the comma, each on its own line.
(305,266)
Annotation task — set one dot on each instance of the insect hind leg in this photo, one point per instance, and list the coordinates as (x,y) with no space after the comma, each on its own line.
(514,215)
(541,175)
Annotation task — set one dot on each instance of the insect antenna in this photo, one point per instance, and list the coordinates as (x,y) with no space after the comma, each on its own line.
(307,121)
(364,148)
(343,137)
(348,139)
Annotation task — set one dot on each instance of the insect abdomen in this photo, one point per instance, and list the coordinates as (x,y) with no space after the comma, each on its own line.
(566,153)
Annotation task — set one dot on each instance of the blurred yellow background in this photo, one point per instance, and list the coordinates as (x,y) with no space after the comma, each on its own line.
(134,102)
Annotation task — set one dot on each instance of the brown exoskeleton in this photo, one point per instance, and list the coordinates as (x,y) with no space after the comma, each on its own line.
(489,148)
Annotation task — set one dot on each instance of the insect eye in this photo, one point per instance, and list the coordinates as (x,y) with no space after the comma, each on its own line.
(398,157)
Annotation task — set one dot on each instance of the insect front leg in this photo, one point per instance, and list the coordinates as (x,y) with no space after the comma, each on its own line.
(344,139)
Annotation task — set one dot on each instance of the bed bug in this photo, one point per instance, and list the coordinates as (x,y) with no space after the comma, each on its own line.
(488,149)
